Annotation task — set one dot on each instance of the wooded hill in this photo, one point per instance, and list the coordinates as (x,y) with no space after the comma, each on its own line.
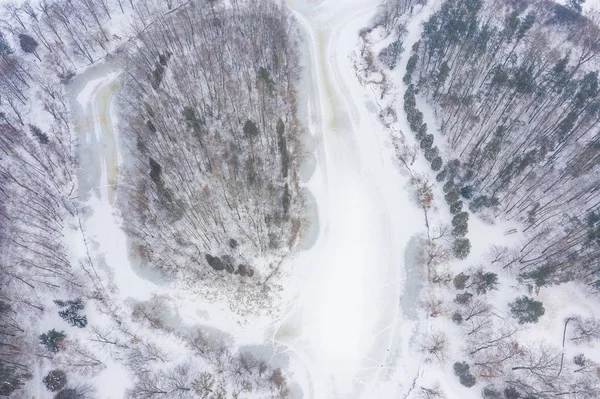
(208,107)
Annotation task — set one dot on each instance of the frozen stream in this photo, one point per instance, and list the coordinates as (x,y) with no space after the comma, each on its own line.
(344,325)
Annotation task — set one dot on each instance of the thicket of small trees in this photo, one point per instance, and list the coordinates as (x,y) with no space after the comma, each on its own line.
(209,109)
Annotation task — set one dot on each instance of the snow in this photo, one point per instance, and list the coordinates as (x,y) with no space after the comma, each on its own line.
(350,314)
(349,320)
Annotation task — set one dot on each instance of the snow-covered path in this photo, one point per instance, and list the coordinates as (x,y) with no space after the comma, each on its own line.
(346,323)
(93,106)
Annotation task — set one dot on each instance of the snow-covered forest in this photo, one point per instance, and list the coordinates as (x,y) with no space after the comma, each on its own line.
(500,131)
(209,111)
(516,95)
(299,199)
(218,106)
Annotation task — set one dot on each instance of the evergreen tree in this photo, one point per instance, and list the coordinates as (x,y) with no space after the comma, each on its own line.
(464,298)
(155,172)
(436,164)
(467,192)
(460,281)
(11,379)
(457,317)
(5,48)
(71,316)
(193,122)
(456,207)
(526,310)
(460,219)
(250,129)
(461,247)
(70,393)
(460,230)
(431,153)
(28,44)
(55,380)
(410,67)
(462,371)
(427,141)
(484,282)
(576,5)
(451,197)
(420,134)
(71,313)
(448,186)
(52,340)
(39,135)
(440,177)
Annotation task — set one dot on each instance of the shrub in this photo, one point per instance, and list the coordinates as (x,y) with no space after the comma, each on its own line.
(526,310)
(55,380)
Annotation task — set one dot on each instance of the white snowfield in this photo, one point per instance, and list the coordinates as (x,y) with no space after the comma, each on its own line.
(342,325)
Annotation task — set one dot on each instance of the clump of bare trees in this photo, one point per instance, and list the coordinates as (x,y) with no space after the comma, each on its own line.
(210,369)
(209,109)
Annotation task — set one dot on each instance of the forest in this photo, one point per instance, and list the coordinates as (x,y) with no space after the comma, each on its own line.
(209,109)
(209,112)
(517,99)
